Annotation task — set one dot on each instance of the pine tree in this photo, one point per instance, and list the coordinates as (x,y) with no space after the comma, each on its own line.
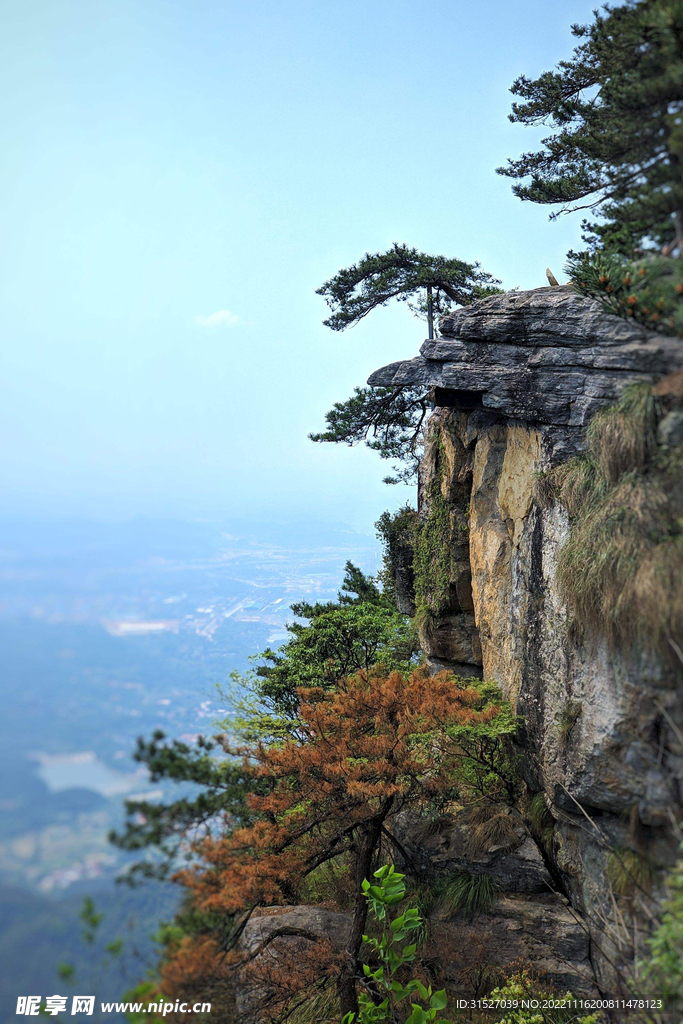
(389,421)
(616,107)
(377,744)
(404,274)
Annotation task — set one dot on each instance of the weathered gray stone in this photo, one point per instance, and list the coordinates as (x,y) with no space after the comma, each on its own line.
(303,922)
(547,356)
(670,430)
(446,851)
(271,934)
(541,930)
(529,921)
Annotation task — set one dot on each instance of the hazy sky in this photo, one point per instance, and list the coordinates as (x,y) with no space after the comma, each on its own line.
(178,178)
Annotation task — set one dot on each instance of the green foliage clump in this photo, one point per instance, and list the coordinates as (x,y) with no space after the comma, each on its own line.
(361,629)
(650,291)
(617,133)
(390,422)
(402,273)
(629,872)
(522,987)
(489,768)
(397,531)
(225,787)
(385,986)
(443,527)
(621,567)
(662,970)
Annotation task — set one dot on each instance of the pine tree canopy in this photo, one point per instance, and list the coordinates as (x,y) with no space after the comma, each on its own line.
(402,273)
(616,110)
(388,420)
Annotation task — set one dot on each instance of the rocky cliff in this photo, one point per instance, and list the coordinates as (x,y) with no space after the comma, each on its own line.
(515,380)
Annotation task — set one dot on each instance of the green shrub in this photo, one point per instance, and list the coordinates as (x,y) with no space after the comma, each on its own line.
(521,987)
(385,987)
(397,531)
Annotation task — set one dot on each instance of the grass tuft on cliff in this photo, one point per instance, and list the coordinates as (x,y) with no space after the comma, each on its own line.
(491,828)
(541,820)
(629,872)
(321,1008)
(620,570)
(467,894)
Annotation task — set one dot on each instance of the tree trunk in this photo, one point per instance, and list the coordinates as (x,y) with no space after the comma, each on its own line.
(368,845)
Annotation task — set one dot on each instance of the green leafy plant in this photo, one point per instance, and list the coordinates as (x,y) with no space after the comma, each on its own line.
(383,991)
(523,987)
(662,970)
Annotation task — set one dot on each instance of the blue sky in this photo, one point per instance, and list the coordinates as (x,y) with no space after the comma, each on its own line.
(165,161)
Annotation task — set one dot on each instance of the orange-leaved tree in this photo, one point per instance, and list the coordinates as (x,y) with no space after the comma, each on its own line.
(378,743)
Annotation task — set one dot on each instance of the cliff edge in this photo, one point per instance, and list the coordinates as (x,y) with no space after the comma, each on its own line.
(515,379)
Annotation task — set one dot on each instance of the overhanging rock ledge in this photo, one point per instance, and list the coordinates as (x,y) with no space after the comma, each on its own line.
(546,356)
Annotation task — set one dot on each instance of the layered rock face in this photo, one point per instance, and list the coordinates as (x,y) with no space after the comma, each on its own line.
(516,378)
(547,356)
